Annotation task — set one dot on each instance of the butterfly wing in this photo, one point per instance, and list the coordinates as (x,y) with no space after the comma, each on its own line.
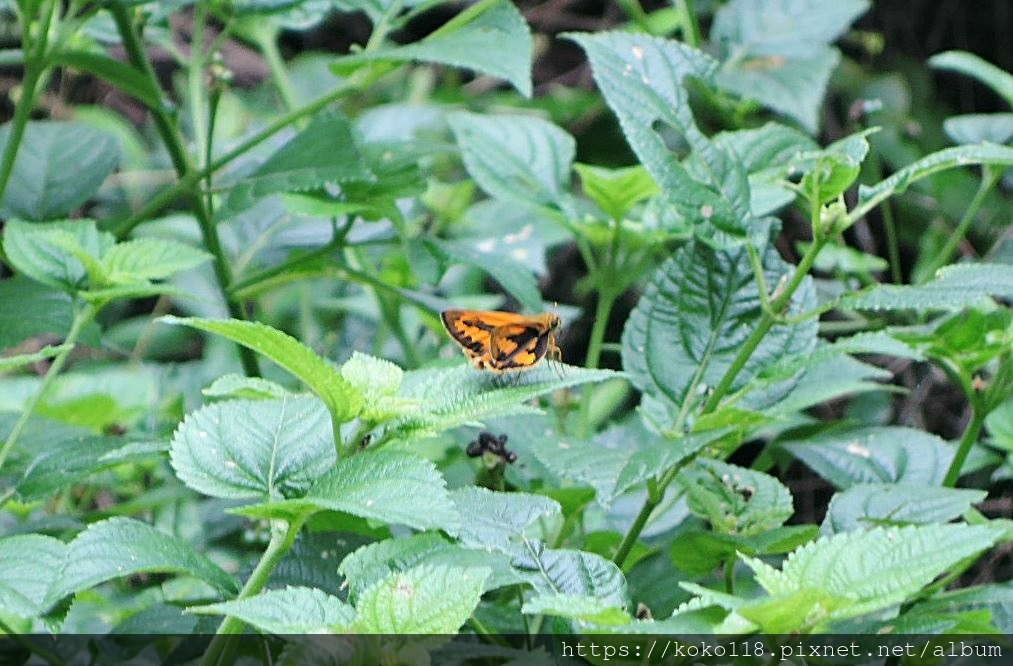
(472,329)
(514,346)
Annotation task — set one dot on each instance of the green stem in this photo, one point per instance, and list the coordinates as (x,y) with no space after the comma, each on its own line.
(978,415)
(606,299)
(173,140)
(989,178)
(267,41)
(690,26)
(195,80)
(281,542)
(81,319)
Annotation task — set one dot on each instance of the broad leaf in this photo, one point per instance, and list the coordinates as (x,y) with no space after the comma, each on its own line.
(955,287)
(498,520)
(41,186)
(240,386)
(980,128)
(324,153)
(64,255)
(577,607)
(120,547)
(265,449)
(866,505)
(293,610)
(149,259)
(378,381)
(422,600)
(616,190)
(968,63)
(572,572)
(511,274)
(515,158)
(467,45)
(29,308)
(29,564)
(342,401)
(693,318)
(735,500)
(875,455)
(66,463)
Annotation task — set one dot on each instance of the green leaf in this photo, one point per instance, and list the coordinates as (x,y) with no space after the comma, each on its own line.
(735,500)
(693,318)
(779,53)
(463,395)
(866,505)
(827,378)
(515,158)
(121,75)
(324,153)
(948,158)
(58,254)
(29,308)
(955,287)
(835,168)
(378,381)
(386,484)
(642,78)
(342,401)
(464,42)
(422,600)
(264,449)
(616,190)
(875,455)
(293,610)
(150,259)
(999,423)
(974,66)
(572,572)
(375,562)
(240,386)
(700,553)
(65,463)
(576,607)
(11,362)
(865,572)
(43,184)
(512,275)
(28,566)
(980,128)
(120,547)
(498,520)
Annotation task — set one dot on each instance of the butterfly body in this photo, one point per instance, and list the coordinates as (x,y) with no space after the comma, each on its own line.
(500,341)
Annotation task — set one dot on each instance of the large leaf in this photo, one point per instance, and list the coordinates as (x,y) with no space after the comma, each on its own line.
(864,572)
(121,547)
(875,455)
(422,600)
(866,505)
(266,449)
(29,308)
(577,607)
(45,184)
(28,566)
(63,254)
(735,500)
(511,274)
(515,158)
(67,462)
(573,572)
(467,45)
(641,78)
(342,401)
(323,153)
(150,259)
(693,318)
(293,610)
(498,520)
(955,287)
(967,63)
(389,485)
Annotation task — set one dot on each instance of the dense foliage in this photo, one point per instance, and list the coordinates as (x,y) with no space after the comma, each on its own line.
(228,401)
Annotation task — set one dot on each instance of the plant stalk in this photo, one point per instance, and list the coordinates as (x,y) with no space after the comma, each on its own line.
(989,178)
(970,436)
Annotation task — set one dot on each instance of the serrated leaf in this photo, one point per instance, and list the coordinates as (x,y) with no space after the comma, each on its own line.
(955,287)
(694,316)
(972,65)
(372,563)
(876,455)
(422,600)
(511,274)
(378,381)
(496,520)
(573,572)
(616,190)
(323,153)
(388,485)
(120,547)
(467,46)
(240,386)
(293,610)
(41,186)
(866,505)
(948,158)
(265,449)
(735,500)
(28,566)
(342,401)
(577,607)
(150,259)
(873,570)
(62,254)
(515,158)
(642,78)
(784,27)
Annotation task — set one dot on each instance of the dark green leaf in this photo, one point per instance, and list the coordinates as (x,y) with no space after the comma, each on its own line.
(735,500)
(865,505)
(123,76)
(59,254)
(29,309)
(513,276)
(954,287)
(293,610)
(29,564)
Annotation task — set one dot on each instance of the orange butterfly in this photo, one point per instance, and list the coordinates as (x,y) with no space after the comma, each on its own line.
(499,341)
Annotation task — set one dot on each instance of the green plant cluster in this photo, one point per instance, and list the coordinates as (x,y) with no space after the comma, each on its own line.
(173,461)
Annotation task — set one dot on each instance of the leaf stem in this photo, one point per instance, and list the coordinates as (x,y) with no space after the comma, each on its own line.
(81,319)
(603,312)
(267,40)
(989,178)
(978,414)
(690,26)
(281,542)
